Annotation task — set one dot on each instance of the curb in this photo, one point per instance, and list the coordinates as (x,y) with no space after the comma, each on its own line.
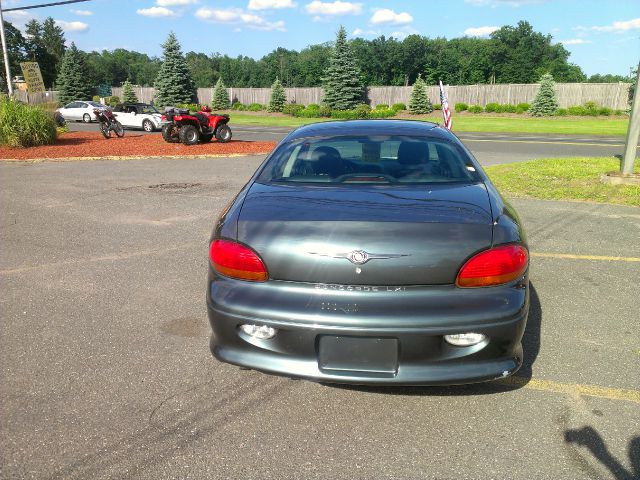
(129,157)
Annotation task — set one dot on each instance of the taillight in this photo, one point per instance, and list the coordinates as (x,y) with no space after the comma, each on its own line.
(163,117)
(494,267)
(237,261)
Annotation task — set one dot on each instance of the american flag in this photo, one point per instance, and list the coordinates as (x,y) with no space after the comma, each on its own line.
(446,113)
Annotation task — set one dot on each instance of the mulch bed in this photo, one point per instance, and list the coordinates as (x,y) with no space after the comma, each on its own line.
(92,145)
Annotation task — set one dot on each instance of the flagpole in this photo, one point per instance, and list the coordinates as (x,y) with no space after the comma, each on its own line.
(5,53)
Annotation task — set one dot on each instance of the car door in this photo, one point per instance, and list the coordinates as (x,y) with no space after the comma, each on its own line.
(72,111)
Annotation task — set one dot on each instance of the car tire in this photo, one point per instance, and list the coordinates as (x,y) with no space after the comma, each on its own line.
(147,126)
(223,133)
(86,118)
(206,137)
(170,133)
(189,135)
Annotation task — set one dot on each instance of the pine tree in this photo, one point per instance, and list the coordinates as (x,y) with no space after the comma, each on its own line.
(342,85)
(545,102)
(128,95)
(72,82)
(278,97)
(220,96)
(173,84)
(419,102)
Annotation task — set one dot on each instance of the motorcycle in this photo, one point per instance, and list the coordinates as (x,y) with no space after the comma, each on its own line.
(108,123)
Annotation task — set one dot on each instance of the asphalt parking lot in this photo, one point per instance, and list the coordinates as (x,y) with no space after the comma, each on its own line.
(106,372)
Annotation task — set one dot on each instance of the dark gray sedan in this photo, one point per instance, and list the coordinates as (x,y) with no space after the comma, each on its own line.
(370,252)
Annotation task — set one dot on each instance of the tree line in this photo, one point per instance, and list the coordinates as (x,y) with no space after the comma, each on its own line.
(512,54)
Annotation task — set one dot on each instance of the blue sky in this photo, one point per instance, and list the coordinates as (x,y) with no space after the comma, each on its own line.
(602,36)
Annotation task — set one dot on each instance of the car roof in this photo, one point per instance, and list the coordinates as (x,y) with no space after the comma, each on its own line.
(370,127)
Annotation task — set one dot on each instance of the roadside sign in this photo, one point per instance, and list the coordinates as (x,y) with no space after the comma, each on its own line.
(33,77)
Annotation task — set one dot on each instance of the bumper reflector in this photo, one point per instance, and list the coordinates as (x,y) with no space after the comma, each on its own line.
(465,339)
(261,332)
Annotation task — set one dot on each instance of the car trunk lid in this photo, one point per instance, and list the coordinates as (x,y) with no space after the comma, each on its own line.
(366,235)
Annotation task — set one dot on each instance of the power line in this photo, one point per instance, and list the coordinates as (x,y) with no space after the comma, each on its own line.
(28,7)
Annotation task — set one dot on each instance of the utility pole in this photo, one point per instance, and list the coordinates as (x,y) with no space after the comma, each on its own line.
(5,53)
(633,132)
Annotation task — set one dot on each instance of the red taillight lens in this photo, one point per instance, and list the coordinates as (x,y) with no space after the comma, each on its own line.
(234,260)
(163,117)
(494,267)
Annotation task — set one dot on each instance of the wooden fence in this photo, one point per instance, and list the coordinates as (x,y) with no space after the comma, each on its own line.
(612,95)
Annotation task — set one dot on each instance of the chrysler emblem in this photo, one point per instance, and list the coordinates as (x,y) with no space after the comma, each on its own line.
(360,257)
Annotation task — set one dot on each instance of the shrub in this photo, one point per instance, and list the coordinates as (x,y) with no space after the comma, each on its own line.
(312,111)
(382,113)
(256,107)
(476,109)
(437,106)
(382,106)
(363,110)
(618,112)
(562,112)
(520,110)
(523,106)
(604,111)
(325,111)
(112,101)
(461,107)
(545,102)
(23,125)
(344,114)
(577,110)
(192,107)
(398,107)
(492,107)
(96,98)
(292,108)
(237,106)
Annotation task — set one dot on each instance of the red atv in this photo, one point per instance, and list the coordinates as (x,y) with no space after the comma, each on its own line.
(178,125)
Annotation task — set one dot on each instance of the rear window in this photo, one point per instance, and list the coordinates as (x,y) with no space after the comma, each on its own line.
(369,159)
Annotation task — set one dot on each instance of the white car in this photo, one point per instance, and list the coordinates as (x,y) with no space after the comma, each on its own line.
(80,110)
(138,115)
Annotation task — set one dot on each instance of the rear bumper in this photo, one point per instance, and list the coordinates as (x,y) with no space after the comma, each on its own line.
(416,318)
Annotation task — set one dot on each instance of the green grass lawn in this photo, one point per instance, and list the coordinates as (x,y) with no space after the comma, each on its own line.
(473,123)
(571,178)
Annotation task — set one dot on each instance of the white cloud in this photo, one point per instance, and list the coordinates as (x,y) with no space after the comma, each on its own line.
(384,15)
(574,41)
(236,16)
(72,26)
(174,3)
(500,3)
(156,12)
(619,27)
(399,35)
(333,8)
(359,32)
(82,13)
(480,31)
(269,4)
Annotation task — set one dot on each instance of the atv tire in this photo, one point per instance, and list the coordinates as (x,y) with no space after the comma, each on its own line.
(170,133)
(223,133)
(189,135)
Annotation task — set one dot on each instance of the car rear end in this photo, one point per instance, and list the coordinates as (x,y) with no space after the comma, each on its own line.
(384,272)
